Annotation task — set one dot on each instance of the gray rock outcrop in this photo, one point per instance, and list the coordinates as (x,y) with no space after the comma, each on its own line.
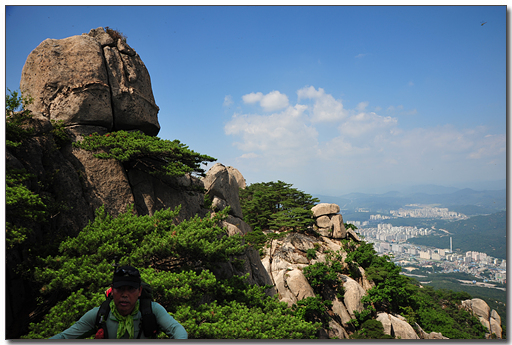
(285,260)
(432,335)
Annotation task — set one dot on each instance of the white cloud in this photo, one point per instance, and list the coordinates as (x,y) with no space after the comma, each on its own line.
(325,107)
(228,100)
(249,155)
(367,124)
(362,106)
(489,146)
(272,134)
(252,97)
(272,101)
(310,92)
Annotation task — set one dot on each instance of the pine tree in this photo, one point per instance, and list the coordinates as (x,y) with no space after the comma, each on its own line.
(276,205)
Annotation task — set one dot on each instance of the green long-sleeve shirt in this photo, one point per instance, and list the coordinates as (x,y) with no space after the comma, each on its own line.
(166,322)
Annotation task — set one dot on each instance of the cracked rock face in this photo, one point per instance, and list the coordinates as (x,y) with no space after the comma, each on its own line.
(90,80)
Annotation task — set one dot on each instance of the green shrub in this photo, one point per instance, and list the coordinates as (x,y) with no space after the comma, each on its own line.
(60,136)
(311,254)
(256,239)
(157,156)
(313,309)
(277,206)
(371,329)
(22,207)
(325,276)
(17,118)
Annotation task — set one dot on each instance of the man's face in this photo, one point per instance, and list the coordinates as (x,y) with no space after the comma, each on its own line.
(125,298)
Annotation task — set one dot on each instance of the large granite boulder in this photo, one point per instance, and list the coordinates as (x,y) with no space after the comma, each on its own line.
(397,326)
(489,318)
(91,80)
(68,81)
(222,185)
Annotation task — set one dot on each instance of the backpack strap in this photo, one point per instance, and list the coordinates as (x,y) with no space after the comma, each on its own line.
(101,317)
(148,322)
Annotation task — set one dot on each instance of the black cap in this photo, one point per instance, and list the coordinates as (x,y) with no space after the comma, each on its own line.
(126,276)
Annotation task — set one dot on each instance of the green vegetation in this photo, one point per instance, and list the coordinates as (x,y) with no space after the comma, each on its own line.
(23,207)
(276,206)
(496,299)
(438,311)
(156,156)
(313,309)
(176,259)
(434,311)
(371,329)
(16,119)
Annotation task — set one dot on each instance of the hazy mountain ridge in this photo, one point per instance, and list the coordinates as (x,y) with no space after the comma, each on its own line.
(483,202)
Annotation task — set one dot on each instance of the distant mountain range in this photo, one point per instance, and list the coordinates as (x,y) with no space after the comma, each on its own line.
(473,202)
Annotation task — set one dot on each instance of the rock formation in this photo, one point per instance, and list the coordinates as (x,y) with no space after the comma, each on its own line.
(329,222)
(90,80)
(285,260)
(488,318)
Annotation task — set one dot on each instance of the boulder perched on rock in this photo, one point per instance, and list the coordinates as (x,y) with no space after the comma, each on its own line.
(329,223)
(324,209)
(90,80)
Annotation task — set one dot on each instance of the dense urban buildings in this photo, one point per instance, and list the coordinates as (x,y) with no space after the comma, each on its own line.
(391,240)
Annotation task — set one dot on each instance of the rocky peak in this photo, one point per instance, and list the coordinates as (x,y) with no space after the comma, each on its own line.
(91,80)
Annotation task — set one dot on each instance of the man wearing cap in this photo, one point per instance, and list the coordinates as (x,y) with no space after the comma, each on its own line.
(123,321)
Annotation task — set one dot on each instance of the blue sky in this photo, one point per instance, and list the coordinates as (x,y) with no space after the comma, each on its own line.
(330,99)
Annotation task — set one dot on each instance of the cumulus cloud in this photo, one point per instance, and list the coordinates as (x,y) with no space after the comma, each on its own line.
(488,147)
(266,133)
(249,155)
(325,107)
(252,97)
(272,101)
